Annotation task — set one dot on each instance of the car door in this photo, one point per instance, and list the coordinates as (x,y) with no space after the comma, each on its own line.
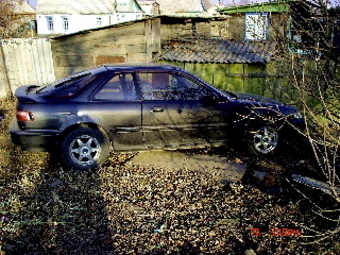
(119,109)
(179,112)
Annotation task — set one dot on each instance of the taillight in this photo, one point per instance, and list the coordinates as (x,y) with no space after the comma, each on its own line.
(25,116)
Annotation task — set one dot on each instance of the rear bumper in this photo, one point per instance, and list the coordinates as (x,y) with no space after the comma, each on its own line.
(34,140)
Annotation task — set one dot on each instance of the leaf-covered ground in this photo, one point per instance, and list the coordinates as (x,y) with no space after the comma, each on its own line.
(124,209)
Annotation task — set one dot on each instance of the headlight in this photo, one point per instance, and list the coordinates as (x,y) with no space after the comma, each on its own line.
(298,115)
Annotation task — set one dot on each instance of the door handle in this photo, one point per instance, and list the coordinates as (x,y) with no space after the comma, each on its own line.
(157,109)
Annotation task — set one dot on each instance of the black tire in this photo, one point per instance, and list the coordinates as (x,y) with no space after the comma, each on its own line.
(262,139)
(84,149)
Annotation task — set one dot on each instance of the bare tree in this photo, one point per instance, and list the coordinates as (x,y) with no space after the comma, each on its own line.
(313,73)
(12,24)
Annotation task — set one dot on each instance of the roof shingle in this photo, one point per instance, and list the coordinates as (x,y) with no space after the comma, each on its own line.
(211,50)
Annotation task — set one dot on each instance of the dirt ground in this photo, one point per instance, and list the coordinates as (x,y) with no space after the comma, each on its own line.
(158,202)
(232,171)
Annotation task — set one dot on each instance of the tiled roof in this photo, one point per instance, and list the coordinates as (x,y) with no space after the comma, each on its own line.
(85,6)
(210,50)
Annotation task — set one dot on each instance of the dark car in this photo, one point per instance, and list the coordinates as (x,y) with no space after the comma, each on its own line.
(143,107)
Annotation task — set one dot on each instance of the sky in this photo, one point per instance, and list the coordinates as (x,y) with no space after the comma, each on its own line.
(32,3)
(233,2)
(224,2)
(238,2)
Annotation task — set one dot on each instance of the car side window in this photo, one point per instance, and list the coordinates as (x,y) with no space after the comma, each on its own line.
(171,86)
(120,88)
(153,85)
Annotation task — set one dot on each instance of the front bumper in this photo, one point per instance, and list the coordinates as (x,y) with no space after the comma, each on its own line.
(34,140)
(298,123)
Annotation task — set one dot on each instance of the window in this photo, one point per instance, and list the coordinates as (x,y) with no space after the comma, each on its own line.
(65,23)
(305,40)
(166,86)
(120,87)
(256,26)
(69,86)
(50,23)
(99,21)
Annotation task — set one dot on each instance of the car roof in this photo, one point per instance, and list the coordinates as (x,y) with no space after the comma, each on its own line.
(141,66)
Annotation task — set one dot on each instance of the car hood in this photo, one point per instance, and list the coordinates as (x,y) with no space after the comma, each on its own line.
(256,98)
(262,101)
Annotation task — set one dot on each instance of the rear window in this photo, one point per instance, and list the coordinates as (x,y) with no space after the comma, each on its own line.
(69,87)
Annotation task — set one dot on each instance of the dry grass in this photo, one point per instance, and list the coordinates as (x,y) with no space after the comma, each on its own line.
(122,209)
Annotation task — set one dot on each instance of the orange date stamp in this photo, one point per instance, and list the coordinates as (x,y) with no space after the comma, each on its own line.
(277,232)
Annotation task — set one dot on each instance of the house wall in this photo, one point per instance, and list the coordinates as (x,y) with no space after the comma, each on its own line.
(231,27)
(234,27)
(79,22)
(124,43)
(175,27)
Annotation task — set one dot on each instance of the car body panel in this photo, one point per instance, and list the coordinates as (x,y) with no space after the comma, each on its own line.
(182,123)
(122,121)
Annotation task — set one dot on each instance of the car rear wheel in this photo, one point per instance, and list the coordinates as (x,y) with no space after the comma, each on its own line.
(262,139)
(84,148)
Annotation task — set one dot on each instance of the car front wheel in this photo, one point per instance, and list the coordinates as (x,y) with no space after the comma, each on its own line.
(262,140)
(84,148)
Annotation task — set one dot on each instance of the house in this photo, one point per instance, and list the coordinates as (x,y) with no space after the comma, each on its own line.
(128,42)
(285,21)
(65,16)
(256,22)
(25,20)
(17,19)
(236,65)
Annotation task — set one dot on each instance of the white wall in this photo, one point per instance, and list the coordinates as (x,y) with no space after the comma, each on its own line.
(78,23)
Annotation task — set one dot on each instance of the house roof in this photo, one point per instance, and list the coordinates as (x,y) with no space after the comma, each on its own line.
(86,6)
(280,6)
(172,7)
(214,50)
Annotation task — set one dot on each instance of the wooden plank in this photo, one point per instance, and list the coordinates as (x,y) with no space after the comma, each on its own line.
(235,84)
(104,59)
(220,79)
(74,60)
(253,84)
(208,72)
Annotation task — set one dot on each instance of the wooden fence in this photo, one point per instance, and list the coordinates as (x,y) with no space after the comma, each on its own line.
(25,61)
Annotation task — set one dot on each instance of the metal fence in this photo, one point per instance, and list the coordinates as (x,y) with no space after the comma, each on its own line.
(25,61)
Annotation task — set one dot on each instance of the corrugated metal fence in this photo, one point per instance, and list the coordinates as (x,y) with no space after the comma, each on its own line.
(25,61)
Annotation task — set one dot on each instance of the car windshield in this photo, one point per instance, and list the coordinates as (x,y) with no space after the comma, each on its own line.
(230,94)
